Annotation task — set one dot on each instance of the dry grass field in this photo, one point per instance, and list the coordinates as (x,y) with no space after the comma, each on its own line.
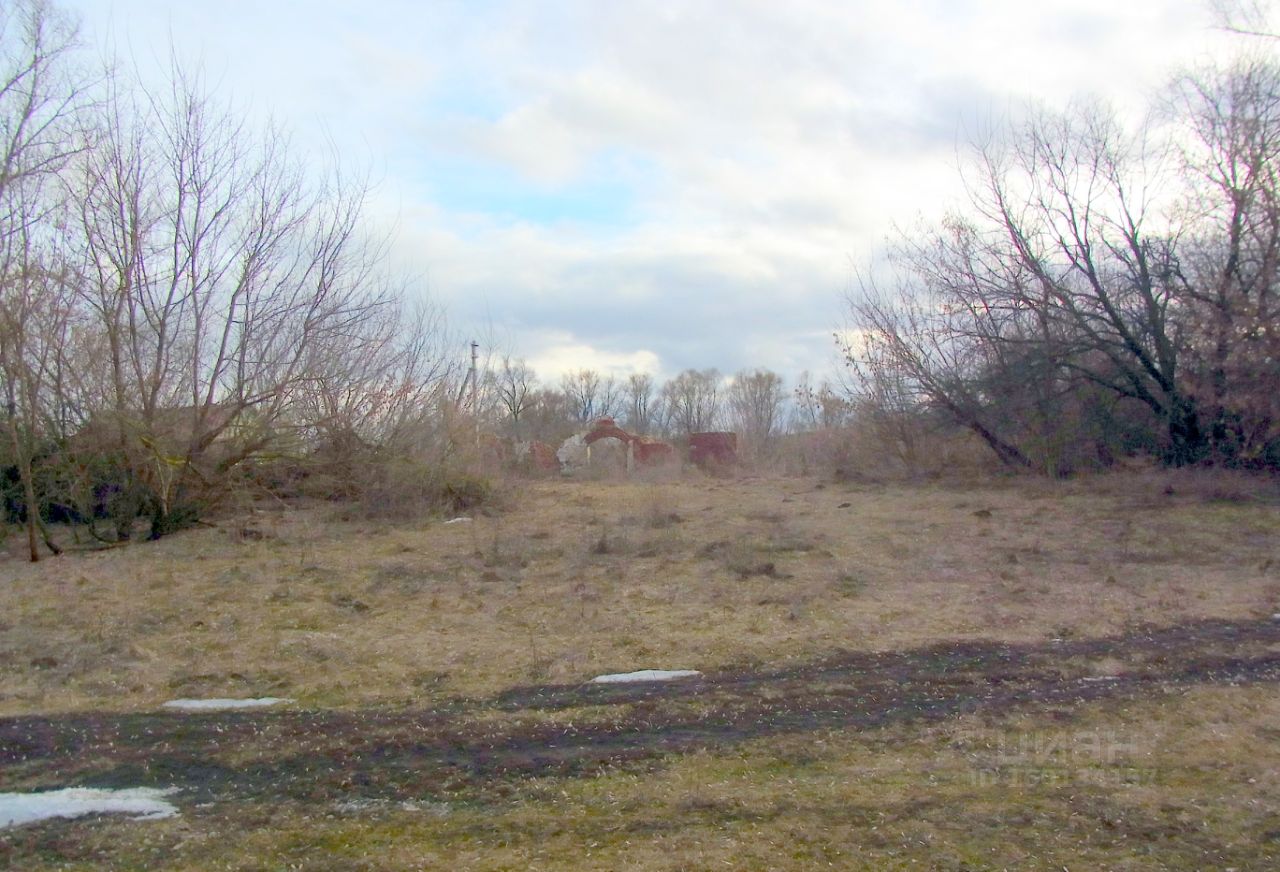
(999,674)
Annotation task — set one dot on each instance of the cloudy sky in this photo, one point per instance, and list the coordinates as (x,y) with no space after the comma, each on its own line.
(655,185)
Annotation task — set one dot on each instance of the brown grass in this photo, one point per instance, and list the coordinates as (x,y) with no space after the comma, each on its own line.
(565,580)
(573,579)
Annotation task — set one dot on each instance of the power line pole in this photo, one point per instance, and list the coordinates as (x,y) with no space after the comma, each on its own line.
(475,407)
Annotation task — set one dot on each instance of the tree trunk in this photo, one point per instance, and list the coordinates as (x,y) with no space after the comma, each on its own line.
(1187,442)
(23,463)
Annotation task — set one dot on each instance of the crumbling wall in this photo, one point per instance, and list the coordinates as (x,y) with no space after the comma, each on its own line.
(713,450)
(573,453)
(641,452)
(536,456)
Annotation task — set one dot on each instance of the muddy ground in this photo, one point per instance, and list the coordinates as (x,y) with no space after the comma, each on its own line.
(323,756)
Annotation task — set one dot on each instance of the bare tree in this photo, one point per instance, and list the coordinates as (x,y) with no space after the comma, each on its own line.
(40,101)
(819,407)
(755,400)
(548,416)
(806,407)
(612,401)
(1098,273)
(641,404)
(376,398)
(1245,17)
(1054,278)
(516,386)
(1230,260)
(223,280)
(34,319)
(911,345)
(581,388)
(591,395)
(692,401)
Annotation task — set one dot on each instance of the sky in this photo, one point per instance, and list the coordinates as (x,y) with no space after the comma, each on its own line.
(654,186)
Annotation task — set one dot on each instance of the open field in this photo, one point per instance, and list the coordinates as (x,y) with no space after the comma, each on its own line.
(1004,675)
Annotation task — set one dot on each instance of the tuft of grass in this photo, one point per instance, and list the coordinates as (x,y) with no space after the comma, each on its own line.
(849,584)
(606,540)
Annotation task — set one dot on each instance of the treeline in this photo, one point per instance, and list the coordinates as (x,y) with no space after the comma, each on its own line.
(757,404)
(1105,291)
(187,305)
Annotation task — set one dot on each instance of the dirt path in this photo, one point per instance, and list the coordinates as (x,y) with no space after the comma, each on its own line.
(322,756)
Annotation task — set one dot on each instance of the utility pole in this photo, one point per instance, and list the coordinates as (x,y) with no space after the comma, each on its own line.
(475,408)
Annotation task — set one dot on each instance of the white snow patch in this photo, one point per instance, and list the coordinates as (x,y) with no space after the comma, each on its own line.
(1276,616)
(223,704)
(645,675)
(1101,678)
(458,521)
(142,803)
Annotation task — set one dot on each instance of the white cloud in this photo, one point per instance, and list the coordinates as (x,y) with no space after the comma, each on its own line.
(566,356)
(779,142)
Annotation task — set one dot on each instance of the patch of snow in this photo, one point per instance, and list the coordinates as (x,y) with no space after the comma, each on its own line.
(645,675)
(458,521)
(192,705)
(1101,678)
(141,803)
(1276,616)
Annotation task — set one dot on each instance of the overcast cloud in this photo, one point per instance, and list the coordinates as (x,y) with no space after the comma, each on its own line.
(660,185)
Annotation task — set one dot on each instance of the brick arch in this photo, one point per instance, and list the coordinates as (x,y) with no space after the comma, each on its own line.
(606,428)
(644,451)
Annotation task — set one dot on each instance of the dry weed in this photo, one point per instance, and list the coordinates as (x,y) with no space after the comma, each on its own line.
(576,578)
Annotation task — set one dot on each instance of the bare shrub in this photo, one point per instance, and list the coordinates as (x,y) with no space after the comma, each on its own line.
(1219,486)
(405,488)
(862,452)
